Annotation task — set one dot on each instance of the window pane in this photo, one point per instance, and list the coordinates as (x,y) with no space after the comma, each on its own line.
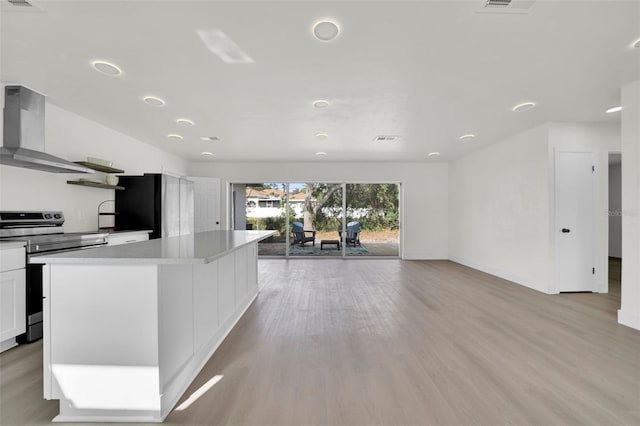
(316,218)
(373,220)
(261,207)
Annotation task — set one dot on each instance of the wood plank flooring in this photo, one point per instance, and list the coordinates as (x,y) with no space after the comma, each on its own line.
(390,342)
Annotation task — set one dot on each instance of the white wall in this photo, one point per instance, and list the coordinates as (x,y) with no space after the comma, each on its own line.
(615,209)
(502,209)
(72,137)
(629,313)
(425,193)
(499,209)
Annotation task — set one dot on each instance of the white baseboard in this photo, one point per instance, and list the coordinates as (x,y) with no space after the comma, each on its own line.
(423,256)
(523,281)
(630,319)
(8,344)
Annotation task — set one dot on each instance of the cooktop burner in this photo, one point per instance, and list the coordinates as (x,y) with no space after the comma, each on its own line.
(43,231)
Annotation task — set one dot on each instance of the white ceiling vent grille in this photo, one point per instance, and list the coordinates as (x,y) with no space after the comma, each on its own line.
(386,138)
(506,6)
(497,3)
(20,3)
(20,6)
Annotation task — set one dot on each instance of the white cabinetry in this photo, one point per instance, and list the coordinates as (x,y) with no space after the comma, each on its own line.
(127,237)
(12,294)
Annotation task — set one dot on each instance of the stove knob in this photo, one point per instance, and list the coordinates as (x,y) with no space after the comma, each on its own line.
(47,216)
(57,216)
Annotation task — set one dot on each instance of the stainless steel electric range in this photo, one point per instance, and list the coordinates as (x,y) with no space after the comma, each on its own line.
(43,232)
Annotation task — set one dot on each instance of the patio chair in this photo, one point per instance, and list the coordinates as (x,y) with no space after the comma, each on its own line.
(300,235)
(353,234)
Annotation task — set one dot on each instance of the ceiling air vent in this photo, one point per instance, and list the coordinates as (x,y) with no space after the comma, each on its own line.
(506,6)
(386,138)
(21,3)
(20,6)
(497,3)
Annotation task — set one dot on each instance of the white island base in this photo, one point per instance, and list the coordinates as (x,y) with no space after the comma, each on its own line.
(123,341)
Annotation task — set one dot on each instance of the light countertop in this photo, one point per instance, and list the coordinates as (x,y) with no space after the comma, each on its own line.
(203,247)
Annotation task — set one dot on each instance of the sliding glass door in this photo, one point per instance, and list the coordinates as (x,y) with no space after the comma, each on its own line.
(373,219)
(262,206)
(315,219)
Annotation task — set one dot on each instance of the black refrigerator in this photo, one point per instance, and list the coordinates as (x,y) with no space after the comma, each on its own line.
(155,201)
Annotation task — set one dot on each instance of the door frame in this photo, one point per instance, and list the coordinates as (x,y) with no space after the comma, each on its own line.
(606,197)
(556,222)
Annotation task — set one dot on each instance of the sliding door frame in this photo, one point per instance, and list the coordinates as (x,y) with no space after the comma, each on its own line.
(343,255)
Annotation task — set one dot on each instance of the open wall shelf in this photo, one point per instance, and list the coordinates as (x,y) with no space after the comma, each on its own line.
(99,167)
(95,184)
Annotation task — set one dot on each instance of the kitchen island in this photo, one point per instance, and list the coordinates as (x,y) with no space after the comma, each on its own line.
(127,328)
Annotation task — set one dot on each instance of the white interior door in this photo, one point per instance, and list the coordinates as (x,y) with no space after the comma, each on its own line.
(206,198)
(575,243)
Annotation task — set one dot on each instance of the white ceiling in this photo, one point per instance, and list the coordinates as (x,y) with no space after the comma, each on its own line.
(428,71)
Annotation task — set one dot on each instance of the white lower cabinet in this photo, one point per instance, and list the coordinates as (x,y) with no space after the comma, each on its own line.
(252,268)
(13,295)
(241,272)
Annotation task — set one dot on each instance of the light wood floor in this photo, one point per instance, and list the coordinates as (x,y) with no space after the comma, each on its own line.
(371,342)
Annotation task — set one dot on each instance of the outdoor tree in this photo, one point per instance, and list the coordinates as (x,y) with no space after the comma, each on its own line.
(317,195)
(375,206)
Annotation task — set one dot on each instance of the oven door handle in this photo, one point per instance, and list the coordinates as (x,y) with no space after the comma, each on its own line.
(27,224)
(66,250)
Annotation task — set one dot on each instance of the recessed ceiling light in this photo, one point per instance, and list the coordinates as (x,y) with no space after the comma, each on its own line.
(614,109)
(326,30)
(636,44)
(209,138)
(154,101)
(207,153)
(185,122)
(321,153)
(523,106)
(467,137)
(431,154)
(107,68)
(175,136)
(322,136)
(320,103)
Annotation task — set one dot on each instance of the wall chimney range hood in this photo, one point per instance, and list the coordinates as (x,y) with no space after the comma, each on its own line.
(23,144)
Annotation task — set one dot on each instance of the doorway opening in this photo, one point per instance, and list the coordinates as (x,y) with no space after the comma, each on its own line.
(615,223)
(320,219)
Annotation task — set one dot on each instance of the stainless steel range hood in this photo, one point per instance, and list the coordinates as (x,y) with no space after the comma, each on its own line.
(23,144)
